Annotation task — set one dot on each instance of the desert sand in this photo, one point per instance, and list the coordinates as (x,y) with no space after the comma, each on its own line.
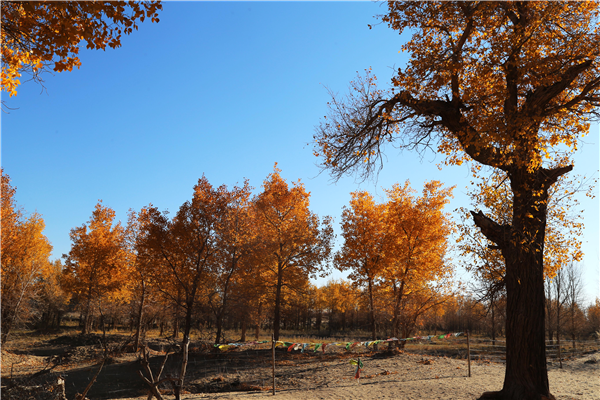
(386,375)
(410,377)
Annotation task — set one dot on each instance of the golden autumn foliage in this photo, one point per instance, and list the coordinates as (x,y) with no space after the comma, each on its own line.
(397,249)
(295,242)
(38,34)
(236,238)
(418,271)
(181,251)
(96,267)
(25,253)
(366,245)
(511,85)
(53,299)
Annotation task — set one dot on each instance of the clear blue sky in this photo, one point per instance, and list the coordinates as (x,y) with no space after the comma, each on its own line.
(222,89)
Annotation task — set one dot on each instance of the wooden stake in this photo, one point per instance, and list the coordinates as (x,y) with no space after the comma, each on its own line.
(468,353)
(273,345)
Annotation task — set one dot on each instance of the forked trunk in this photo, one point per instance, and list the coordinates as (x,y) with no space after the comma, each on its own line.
(522,246)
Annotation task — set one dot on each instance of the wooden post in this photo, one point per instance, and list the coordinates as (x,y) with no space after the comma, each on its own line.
(273,345)
(468,353)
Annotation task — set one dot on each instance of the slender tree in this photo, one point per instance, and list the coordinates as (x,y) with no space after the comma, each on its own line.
(24,259)
(296,243)
(574,299)
(235,237)
(182,250)
(417,269)
(366,244)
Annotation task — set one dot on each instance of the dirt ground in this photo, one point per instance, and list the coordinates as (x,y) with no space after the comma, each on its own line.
(247,373)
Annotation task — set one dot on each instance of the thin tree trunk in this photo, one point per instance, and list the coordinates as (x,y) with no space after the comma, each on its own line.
(493,323)
(558,330)
(219,326)
(258,314)
(139,319)
(372,311)
(243,338)
(277,316)
(88,310)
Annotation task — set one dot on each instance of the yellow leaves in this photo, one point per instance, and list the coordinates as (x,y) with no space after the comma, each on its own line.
(25,254)
(499,76)
(36,33)
(97,264)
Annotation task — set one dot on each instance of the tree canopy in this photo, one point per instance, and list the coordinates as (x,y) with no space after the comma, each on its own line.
(37,34)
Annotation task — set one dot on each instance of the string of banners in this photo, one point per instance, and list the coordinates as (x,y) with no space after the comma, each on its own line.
(348,345)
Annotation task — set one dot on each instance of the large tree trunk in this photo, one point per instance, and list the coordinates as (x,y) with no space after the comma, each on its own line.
(522,246)
(526,374)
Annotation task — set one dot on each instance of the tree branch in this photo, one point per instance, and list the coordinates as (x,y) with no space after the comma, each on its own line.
(492,230)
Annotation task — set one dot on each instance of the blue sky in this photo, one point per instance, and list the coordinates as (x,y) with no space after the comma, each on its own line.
(222,89)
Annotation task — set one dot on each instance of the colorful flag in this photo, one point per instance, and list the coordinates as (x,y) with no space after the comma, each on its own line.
(359,366)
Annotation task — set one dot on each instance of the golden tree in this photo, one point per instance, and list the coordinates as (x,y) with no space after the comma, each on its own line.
(139,281)
(235,238)
(96,266)
(511,85)
(296,243)
(37,34)
(53,297)
(365,247)
(25,253)
(182,250)
(417,268)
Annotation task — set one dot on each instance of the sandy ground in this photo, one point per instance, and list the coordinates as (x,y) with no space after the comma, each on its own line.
(411,377)
(403,376)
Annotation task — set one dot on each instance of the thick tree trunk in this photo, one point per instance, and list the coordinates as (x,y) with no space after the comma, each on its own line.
(522,246)
(526,374)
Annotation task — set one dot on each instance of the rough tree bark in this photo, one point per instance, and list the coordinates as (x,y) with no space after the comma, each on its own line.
(522,246)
